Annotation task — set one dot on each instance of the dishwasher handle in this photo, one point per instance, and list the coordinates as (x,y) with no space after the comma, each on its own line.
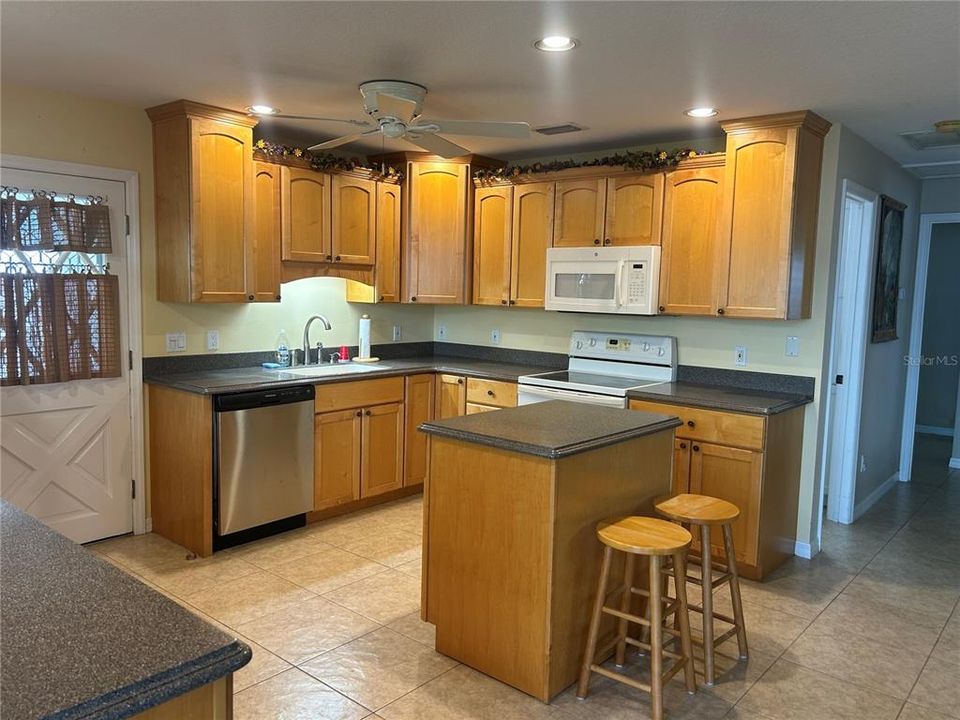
(263,398)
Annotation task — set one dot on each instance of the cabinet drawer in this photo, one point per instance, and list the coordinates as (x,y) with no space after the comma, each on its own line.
(474,408)
(746,431)
(344,395)
(491,392)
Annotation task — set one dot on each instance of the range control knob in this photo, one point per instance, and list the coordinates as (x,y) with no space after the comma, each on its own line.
(579,344)
(646,346)
(660,352)
(593,342)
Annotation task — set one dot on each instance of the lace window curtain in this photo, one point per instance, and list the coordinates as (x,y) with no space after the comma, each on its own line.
(58,324)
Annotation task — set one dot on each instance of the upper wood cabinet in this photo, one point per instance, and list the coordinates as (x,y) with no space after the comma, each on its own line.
(579,212)
(532,234)
(634,206)
(264,281)
(354,219)
(389,238)
(305,201)
(203,176)
(689,261)
(438,246)
(768,216)
(492,233)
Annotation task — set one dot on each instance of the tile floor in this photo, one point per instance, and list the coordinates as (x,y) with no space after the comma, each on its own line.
(868,629)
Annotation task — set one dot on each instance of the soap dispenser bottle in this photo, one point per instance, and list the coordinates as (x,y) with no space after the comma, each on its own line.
(283,349)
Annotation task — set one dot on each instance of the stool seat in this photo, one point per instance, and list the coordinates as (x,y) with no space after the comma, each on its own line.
(643,536)
(698,509)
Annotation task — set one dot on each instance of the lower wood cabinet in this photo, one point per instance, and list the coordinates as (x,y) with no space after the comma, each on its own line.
(451,396)
(752,461)
(336,452)
(419,402)
(381,449)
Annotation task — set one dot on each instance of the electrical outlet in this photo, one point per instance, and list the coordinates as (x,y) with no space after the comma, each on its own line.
(740,355)
(793,346)
(213,339)
(495,336)
(442,332)
(176,342)
(396,333)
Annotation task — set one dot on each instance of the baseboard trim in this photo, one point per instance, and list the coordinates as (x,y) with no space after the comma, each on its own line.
(955,463)
(935,430)
(803,550)
(148,526)
(870,500)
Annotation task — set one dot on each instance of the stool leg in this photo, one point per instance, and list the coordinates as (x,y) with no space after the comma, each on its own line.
(706,564)
(623,625)
(589,653)
(735,590)
(682,618)
(656,639)
(645,629)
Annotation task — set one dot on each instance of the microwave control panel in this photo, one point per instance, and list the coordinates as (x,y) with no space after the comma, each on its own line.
(636,282)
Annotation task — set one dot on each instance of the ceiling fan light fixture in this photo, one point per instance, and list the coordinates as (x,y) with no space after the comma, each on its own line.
(701,112)
(556,43)
(262,110)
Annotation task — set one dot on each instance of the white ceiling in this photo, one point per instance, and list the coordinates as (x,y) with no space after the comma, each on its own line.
(879,67)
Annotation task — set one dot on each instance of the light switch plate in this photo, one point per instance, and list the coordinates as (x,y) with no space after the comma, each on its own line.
(793,346)
(740,355)
(396,333)
(495,336)
(442,332)
(176,342)
(213,339)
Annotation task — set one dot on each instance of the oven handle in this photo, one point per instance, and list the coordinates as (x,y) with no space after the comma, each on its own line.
(571,395)
(619,281)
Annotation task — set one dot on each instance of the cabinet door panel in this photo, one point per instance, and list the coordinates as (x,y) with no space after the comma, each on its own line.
(578,218)
(305,199)
(222,211)
(532,235)
(689,266)
(388,243)
(492,228)
(336,458)
(382,449)
(681,466)
(734,475)
(451,396)
(418,407)
(264,282)
(634,206)
(354,220)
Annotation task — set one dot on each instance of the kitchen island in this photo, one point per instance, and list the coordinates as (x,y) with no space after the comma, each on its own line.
(83,639)
(510,549)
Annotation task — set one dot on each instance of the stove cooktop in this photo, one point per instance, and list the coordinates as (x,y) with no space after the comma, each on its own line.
(591,382)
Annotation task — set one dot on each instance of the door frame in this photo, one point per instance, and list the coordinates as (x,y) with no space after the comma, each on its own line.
(854,269)
(927,221)
(131,183)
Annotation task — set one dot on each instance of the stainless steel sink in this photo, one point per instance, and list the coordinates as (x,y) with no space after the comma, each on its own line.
(332,370)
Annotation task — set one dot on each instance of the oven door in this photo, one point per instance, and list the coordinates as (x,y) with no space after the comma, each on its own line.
(530,394)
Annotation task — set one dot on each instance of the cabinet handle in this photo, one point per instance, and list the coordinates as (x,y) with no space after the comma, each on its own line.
(691,423)
(683,446)
(359,413)
(719,311)
(249,297)
(696,448)
(367,413)
(490,393)
(596,241)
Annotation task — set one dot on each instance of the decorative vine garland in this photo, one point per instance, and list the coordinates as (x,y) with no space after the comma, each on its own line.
(324,161)
(640,160)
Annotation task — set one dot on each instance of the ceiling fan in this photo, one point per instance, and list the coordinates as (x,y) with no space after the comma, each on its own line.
(396,107)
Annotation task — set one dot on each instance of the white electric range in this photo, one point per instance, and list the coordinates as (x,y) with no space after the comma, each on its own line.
(602,368)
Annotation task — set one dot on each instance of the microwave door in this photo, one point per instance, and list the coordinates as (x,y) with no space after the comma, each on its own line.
(578,288)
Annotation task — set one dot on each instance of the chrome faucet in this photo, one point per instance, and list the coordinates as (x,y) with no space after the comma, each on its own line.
(306,339)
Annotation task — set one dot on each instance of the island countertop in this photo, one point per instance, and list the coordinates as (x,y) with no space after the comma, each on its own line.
(553,429)
(82,639)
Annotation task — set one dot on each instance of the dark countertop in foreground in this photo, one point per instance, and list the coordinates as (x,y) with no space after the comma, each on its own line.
(554,429)
(82,639)
(715,397)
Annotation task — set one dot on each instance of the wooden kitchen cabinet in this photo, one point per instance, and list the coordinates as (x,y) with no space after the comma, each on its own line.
(389,238)
(336,453)
(681,466)
(451,396)
(419,407)
(381,449)
(579,212)
(634,206)
(264,270)
(203,177)
(353,212)
(305,211)
(689,265)
(768,215)
(492,244)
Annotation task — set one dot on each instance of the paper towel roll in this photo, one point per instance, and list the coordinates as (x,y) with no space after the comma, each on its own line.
(364,337)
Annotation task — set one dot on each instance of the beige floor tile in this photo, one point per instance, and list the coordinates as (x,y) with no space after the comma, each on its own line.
(327,570)
(249,597)
(734,677)
(939,688)
(931,599)
(918,712)
(384,597)
(185,577)
(272,552)
(948,645)
(342,530)
(416,629)
(791,692)
(303,631)
(794,595)
(294,695)
(141,551)
(264,664)
(391,547)
(414,568)
(889,669)
(769,630)
(378,668)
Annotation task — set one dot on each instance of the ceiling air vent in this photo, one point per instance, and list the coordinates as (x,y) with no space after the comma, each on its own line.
(945,134)
(558,129)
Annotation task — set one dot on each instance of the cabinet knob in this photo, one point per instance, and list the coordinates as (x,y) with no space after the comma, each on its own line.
(719,311)
(662,308)
(413,299)
(359,413)
(337,258)
(278,297)
(250,297)
(503,302)
(696,448)
(596,241)
(513,302)
(683,446)
(328,257)
(691,423)
(490,393)
(380,299)
(459,381)
(367,413)
(607,241)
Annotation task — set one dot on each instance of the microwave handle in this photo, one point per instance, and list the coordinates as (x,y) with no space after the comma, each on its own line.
(618,295)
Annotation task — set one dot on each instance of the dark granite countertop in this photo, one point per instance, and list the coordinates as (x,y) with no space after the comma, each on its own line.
(82,639)
(553,429)
(215,382)
(717,397)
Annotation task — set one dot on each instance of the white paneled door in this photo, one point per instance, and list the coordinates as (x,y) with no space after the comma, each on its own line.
(66,449)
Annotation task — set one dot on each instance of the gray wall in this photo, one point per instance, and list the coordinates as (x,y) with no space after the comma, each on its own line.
(941,196)
(937,396)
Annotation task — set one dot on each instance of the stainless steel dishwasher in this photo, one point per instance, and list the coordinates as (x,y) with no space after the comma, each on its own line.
(264,459)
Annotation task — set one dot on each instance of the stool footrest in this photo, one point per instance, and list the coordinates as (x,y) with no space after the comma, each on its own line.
(619,677)
(680,664)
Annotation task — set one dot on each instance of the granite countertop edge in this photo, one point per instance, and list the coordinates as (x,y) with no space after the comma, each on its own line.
(549,453)
(765,403)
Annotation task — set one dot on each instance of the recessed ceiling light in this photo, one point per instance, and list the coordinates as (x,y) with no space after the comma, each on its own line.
(555,43)
(262,110)
(700,112)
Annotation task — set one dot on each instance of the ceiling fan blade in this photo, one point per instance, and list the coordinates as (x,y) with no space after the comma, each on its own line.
(359,123)
(437,145)
(337,142)
(518,130)
(397,107)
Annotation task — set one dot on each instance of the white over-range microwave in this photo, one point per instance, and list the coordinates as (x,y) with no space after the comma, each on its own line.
(621,280)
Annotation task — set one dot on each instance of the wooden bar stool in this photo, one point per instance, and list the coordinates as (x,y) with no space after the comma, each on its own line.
(705,511)
(656,539)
